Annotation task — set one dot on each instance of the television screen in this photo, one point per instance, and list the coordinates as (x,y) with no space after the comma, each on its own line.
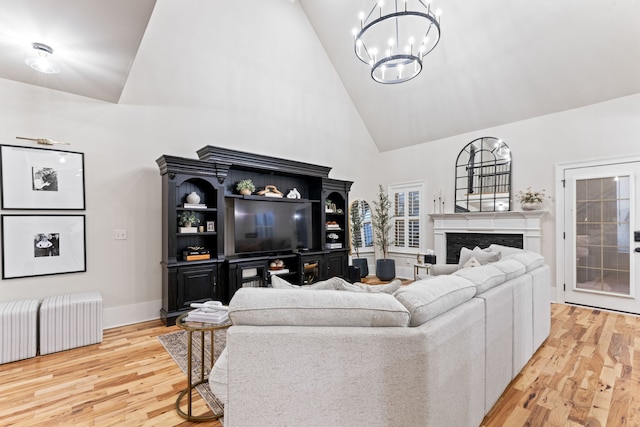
(264,226)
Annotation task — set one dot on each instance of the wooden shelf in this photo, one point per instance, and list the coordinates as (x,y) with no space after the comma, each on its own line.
(269,199)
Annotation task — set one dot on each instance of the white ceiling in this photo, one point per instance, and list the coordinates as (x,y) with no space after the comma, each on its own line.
(498,61)
(96,41)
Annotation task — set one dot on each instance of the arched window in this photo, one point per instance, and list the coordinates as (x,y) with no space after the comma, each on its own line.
(483,176)
(361,227)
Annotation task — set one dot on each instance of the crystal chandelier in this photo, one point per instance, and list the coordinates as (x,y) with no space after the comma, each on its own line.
(394,41)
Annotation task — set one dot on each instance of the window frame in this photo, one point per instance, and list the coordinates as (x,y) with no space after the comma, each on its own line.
(405,188)
(365,249)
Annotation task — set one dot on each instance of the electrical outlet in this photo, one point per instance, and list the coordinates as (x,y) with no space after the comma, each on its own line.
(121,235)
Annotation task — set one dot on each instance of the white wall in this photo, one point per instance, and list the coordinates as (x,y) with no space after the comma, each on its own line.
(188,89)
(185,91)
(609,129)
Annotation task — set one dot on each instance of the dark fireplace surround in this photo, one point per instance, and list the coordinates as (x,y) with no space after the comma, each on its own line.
(457,241)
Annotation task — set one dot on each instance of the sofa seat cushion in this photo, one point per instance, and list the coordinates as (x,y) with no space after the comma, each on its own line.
(427,299)
(484,277)
(287,307)
(337,283)
(530,260)
(388,288)
(483,257)
(510,267)
(332,284)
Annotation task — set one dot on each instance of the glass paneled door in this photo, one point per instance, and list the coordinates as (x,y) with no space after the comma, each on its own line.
(601,209)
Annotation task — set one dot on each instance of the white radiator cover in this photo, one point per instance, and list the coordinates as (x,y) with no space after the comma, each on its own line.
(18,330)
(70,321)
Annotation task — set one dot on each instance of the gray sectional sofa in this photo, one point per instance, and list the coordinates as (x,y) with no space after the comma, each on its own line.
(438,352)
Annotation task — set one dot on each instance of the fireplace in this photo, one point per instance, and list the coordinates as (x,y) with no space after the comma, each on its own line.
(457,241)
(453,231)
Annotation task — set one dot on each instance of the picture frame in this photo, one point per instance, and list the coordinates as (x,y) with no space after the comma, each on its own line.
(41,178)
(211,226)
(39,245)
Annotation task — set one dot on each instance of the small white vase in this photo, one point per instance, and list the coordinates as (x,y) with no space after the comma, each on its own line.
(293,194)
(531,206)
(193,198)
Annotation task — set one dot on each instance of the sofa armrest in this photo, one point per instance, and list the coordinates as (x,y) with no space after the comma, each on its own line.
(439,269)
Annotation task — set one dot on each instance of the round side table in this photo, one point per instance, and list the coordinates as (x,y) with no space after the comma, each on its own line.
(191,327)
(417,267)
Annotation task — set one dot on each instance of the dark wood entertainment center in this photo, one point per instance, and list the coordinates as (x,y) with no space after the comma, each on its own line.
(213,177)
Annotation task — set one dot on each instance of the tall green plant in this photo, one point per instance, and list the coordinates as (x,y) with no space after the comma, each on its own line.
(382,221)
(356,227)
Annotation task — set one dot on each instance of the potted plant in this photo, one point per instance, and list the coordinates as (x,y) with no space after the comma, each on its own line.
(356,238)
(329,206)
(531,200)
(187,220)
(385,268)
(245,187)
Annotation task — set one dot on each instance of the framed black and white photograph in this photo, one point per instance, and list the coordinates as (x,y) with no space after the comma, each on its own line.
(39,178)
(211,226)
(38,245)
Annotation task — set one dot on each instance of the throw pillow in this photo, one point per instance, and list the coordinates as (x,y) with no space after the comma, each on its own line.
(481,256)
(388,288)
(280,283)
(473,262)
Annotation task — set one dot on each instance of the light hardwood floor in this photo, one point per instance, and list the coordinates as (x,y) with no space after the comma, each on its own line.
(586,374)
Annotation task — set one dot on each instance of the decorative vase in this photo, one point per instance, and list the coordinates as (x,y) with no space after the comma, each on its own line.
(193,198)
(363,265)
(534,206)
(385,269)
(245,192)
(293,194)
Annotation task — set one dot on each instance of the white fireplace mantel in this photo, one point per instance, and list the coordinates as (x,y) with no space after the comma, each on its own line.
(526,223)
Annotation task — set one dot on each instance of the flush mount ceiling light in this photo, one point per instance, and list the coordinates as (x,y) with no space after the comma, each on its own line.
(41,58)
(394,41)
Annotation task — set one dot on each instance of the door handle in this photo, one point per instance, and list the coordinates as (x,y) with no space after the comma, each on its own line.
(637,249)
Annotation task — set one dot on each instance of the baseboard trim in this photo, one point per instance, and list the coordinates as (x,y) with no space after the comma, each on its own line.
(129,314)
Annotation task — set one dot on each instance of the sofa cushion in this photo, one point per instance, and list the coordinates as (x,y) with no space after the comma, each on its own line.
(481,256)
(530,260)
(483,277)
(440,269)
(388,288)
(283,307)
(219,377)
(427,299)
(510,267)
(279,283)
(504,250)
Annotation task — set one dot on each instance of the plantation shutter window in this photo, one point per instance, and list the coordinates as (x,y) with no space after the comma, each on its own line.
(406,211)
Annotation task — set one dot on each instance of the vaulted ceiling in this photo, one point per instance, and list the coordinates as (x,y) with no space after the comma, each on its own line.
(498,61)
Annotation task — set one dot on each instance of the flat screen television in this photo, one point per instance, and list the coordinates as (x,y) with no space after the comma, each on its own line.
(268,226)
